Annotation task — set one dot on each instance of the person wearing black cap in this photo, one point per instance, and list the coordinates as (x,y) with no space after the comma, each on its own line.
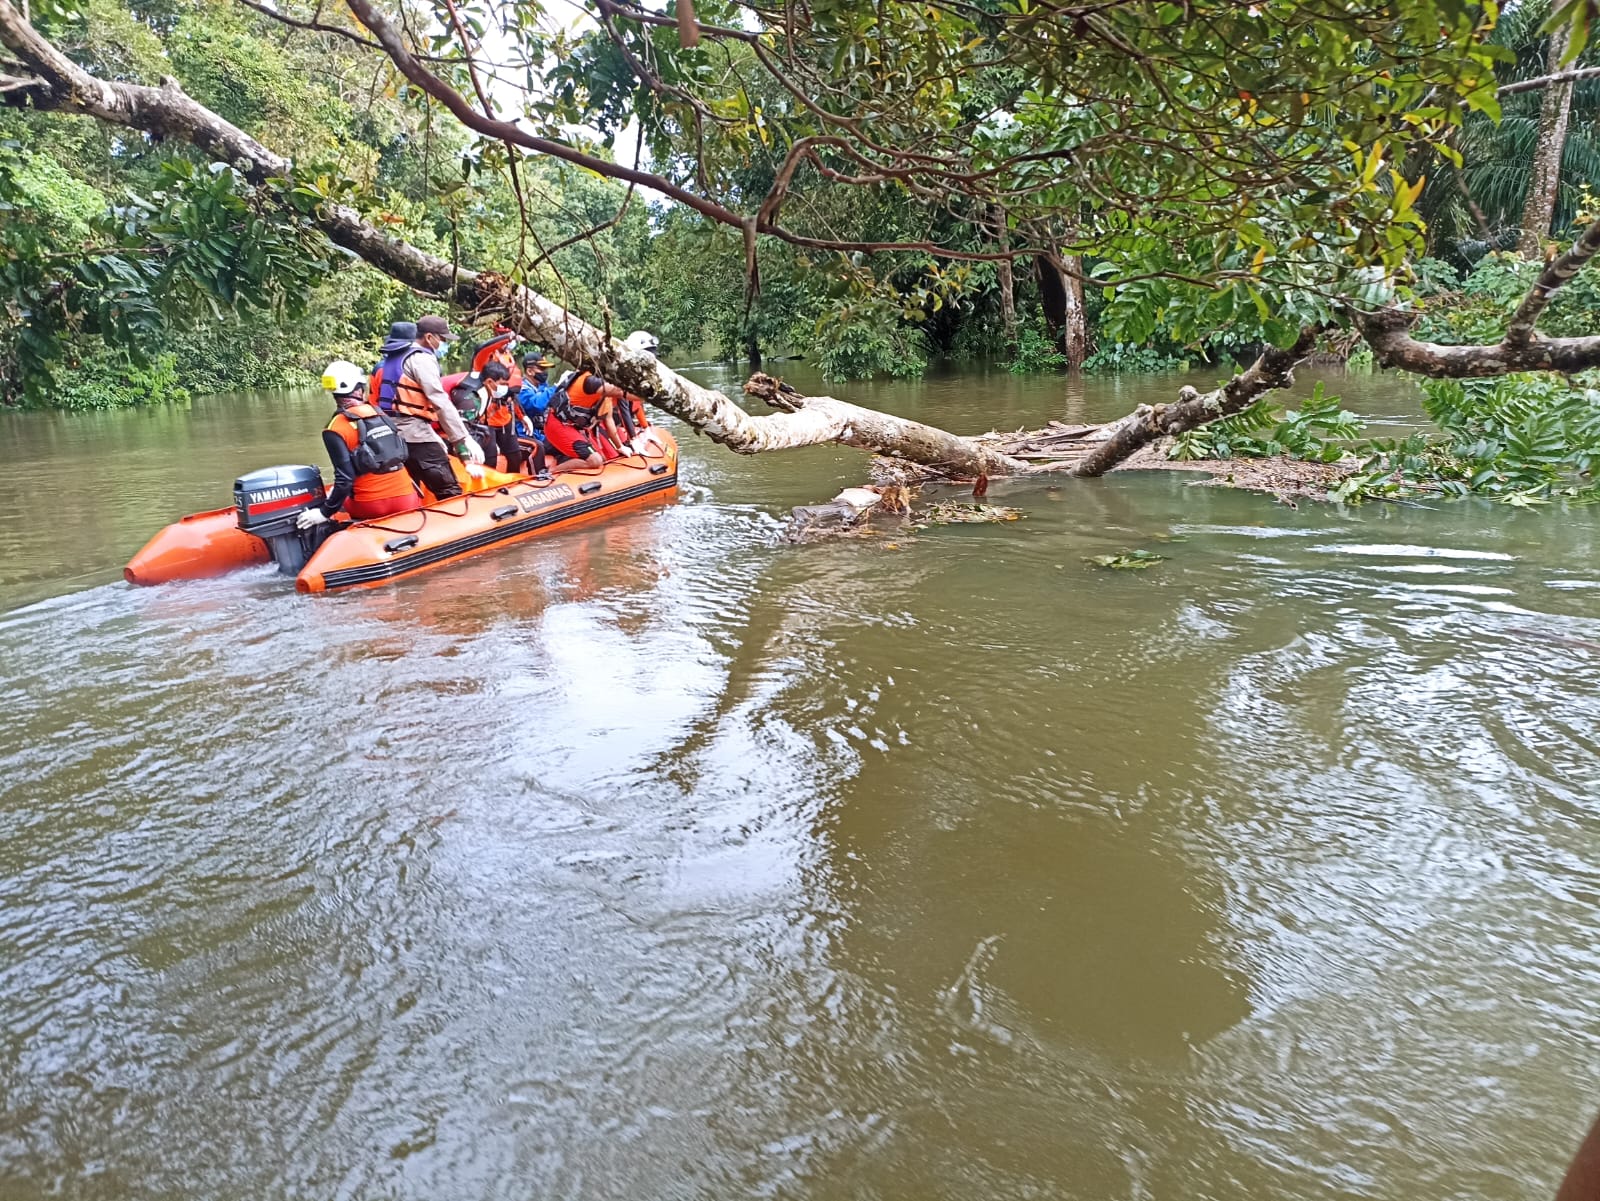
(411,391)
(534,401)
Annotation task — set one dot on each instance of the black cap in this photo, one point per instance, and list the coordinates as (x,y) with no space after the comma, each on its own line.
(434,325)
(403,330)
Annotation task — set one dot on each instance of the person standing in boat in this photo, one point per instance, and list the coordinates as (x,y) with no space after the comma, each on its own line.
(408,388)
(485,404)
(367,452)
(500,415)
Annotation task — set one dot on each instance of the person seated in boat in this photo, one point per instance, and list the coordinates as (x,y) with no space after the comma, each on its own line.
(585,401)
(533,402)
(367,452)
(406,385)
(582,426)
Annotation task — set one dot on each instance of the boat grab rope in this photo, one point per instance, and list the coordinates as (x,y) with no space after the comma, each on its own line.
(505,490)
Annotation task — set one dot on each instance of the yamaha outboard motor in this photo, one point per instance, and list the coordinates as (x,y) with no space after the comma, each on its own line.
(269,500)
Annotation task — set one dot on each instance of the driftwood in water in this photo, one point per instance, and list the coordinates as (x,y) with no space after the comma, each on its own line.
(844,512)
(849,512)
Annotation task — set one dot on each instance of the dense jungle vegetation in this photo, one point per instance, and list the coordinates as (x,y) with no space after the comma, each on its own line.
(135,267)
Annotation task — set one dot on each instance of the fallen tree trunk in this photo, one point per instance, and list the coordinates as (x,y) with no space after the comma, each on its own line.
(169,112)
(1092,450)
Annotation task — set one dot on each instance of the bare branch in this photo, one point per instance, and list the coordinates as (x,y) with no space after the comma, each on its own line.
(1556,273)
(1274,369)
(1545,81)
(1388,332)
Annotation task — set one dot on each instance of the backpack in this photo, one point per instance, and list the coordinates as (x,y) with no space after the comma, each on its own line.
(465,396)
(379,447)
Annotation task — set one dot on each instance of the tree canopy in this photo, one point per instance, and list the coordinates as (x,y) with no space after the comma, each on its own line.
(1222,174)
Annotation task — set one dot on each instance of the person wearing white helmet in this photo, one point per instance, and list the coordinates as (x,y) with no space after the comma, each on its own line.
(368,455)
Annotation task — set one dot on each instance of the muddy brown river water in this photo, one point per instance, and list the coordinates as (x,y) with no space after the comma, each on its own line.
(660,860)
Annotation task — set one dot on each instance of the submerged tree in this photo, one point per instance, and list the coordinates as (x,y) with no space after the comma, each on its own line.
(1225,167)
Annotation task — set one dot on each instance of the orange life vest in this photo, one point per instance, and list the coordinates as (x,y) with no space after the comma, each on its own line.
(411,401)
(393,393)
(497,411)
(589,407)
(368,488)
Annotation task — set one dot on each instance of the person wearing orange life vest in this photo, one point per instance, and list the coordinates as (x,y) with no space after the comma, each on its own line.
(500,414)
(484,401)
(582,425)
(408,389)
(367,452)
(592,421)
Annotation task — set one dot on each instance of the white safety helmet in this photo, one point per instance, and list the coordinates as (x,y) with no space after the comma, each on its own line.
(342,378)
(642,339)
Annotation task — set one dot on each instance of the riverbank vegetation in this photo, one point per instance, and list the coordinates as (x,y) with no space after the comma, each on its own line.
(263,184)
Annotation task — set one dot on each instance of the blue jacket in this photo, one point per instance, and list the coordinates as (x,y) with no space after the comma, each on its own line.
(534,400)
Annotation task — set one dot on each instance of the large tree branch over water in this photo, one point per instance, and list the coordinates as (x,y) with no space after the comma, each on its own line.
(1274,369)
(1388,331)
(765,221)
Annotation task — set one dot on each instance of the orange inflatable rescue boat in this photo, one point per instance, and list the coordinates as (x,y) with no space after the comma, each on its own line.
(499,509)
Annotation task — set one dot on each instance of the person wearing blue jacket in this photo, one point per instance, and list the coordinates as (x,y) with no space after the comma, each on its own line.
(534,400)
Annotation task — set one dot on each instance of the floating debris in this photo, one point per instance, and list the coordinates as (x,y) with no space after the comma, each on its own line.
(1133,560)
(955,512)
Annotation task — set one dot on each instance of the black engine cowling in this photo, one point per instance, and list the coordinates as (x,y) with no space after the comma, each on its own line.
(267,503)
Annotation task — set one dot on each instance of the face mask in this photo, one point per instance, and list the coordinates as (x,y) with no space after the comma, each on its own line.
(498,391)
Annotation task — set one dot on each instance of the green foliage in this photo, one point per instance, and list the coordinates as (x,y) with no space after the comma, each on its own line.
(1496,153)
(1478,311)
(1224,199)
(1314,432)
(1121,358)
(1521,439)
(863,349)
(693,275)
(199,246)
(979,332)
(96,378)
(1134,560)
(1037,352)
